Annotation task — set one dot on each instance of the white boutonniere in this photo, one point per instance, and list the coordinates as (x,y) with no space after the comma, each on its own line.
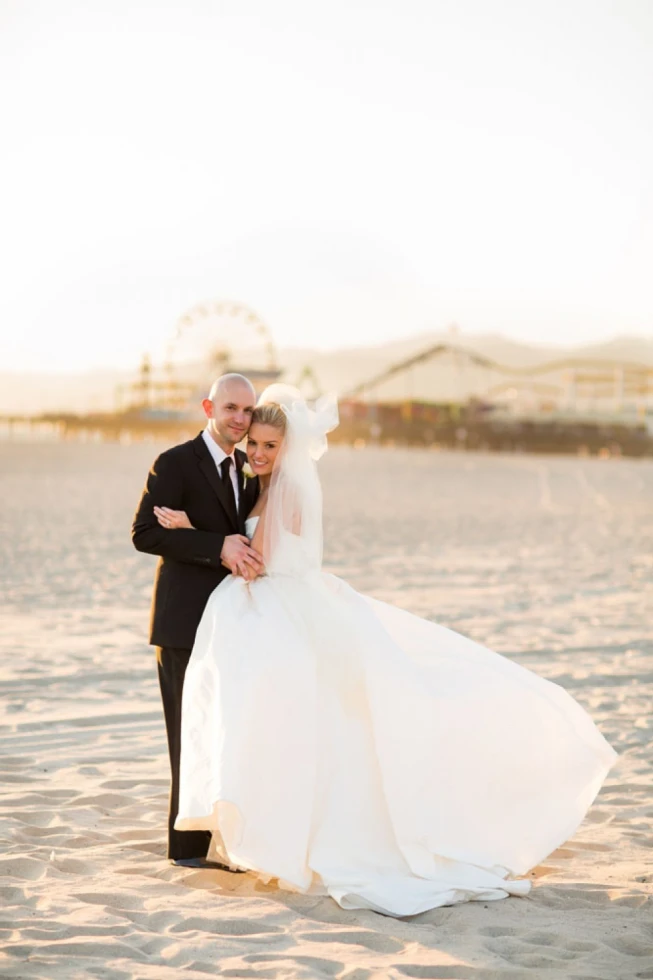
(248,473)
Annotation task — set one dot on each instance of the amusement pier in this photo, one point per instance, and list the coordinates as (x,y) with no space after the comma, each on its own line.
(444,396)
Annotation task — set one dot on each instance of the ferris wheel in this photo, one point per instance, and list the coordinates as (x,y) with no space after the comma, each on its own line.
(216,337)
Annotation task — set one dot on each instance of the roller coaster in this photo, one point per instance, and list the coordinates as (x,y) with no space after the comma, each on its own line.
(571,381)
(448,395)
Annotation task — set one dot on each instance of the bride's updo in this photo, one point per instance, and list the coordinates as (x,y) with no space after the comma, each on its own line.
(270,414)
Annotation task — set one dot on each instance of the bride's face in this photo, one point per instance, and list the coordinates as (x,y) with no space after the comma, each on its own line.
(263,445)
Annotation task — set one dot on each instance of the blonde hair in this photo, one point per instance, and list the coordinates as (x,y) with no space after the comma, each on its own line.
(270,414)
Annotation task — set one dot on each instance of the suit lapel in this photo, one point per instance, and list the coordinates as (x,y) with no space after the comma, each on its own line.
(209,469)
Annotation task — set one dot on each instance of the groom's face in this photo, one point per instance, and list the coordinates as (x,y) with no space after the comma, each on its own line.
(230,414)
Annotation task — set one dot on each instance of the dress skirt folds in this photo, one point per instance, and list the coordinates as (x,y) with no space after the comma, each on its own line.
(344,746)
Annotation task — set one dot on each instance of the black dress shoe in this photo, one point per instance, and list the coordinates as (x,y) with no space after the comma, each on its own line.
(204,864)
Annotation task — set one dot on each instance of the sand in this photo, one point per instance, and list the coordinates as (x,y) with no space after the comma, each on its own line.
(548,560)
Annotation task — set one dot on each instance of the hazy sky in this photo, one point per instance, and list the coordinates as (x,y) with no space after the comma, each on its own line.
(353,170)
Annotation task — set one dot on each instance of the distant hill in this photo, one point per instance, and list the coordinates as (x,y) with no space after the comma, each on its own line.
(337,370)
(34,393)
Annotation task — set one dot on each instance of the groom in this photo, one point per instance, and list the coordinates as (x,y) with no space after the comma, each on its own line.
(204,478)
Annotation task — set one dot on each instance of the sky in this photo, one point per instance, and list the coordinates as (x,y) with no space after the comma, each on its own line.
(353,171)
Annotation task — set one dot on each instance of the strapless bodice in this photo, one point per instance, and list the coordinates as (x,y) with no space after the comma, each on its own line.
(250,526)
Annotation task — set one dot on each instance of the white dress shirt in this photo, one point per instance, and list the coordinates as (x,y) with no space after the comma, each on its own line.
(219,455)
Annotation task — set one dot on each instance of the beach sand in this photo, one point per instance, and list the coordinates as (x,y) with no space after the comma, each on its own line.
(547,560)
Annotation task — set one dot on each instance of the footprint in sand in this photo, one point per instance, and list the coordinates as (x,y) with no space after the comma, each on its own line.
(10,895)
(21,762)
(71,866)
(535,950)
(561,942)
(241,974)
(18,777)
(34,818)
(29,830)
(458,973)
(22,868)
(631,945)
(115,901)
(224,927)
(370,940)
(78,949)
(315,965)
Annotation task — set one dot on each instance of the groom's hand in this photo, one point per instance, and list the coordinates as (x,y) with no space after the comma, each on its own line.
(238,555)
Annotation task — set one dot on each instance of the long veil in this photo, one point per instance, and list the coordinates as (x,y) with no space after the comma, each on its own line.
(292,538)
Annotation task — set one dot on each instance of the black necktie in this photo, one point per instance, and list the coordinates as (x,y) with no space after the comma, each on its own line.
(225,469)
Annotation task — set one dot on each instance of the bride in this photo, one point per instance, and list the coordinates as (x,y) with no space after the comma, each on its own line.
(344,746)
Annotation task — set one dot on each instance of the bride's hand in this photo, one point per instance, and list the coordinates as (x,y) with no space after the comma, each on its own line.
(172,519)
(242,571)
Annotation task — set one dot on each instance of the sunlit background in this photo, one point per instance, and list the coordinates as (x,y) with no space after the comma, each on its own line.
(357,172)
(443,211)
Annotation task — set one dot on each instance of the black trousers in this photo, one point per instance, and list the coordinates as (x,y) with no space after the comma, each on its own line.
(172,663)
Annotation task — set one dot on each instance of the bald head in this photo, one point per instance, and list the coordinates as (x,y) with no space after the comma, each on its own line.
(229,409)
(229,380)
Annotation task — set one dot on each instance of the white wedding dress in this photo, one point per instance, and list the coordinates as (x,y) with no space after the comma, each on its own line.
(342,745)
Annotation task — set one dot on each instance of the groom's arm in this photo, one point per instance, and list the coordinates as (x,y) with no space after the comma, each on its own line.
(164,488)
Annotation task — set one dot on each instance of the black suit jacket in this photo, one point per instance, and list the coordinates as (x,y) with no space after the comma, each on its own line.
(189,569)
